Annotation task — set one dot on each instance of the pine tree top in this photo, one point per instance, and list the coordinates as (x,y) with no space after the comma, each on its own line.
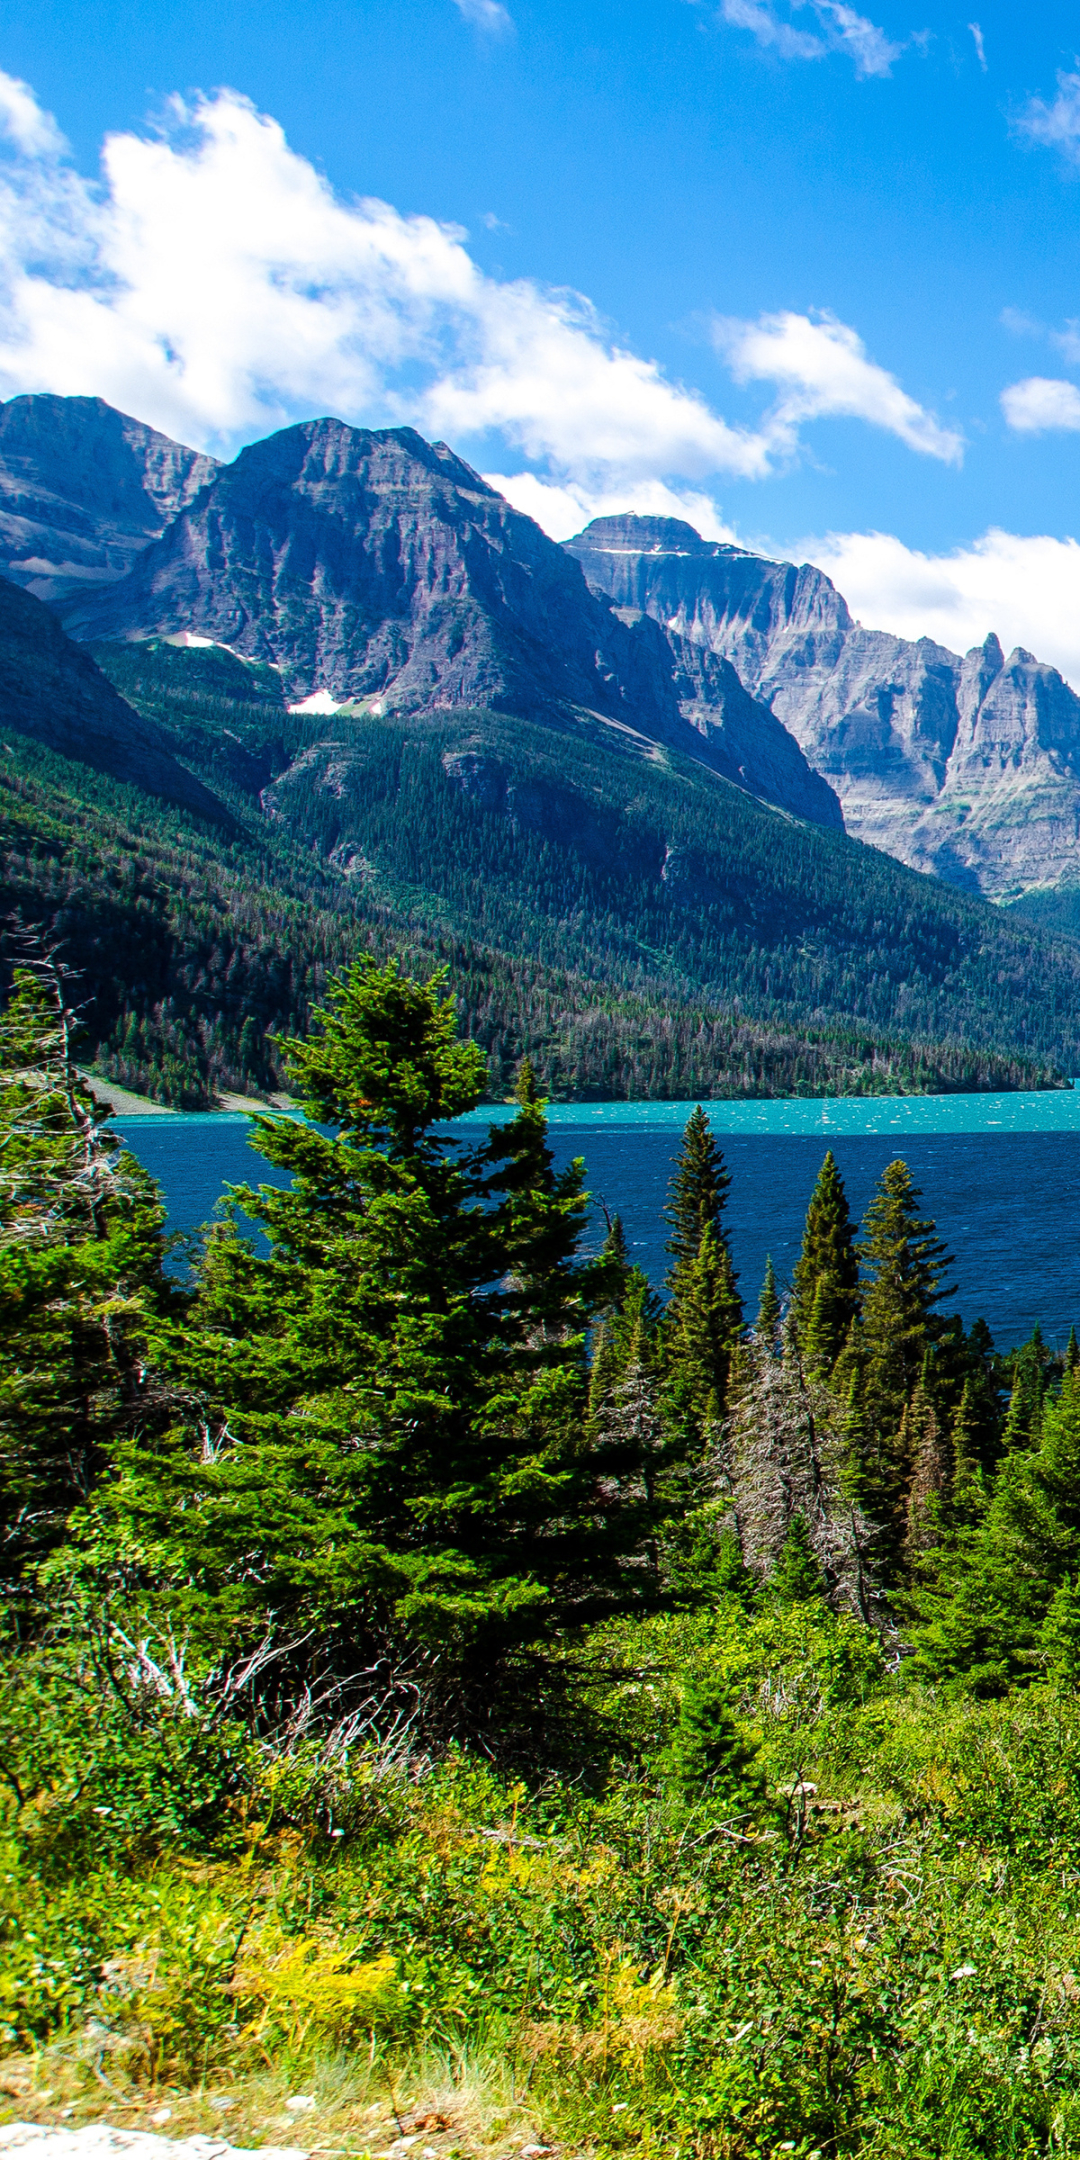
(699,1189)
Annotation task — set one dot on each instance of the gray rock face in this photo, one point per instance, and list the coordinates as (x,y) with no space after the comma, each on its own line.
(969,768)
(379,568)
(83,489)
(55,693)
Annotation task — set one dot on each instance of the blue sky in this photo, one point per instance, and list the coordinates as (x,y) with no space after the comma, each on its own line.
(778,262)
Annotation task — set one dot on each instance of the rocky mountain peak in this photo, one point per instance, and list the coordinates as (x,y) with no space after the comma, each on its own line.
(646,536)
(83,489)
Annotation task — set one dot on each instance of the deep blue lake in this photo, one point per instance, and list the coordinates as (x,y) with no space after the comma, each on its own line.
(1000,1175)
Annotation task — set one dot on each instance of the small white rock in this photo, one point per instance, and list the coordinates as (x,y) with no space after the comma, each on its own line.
(161,2115)
(300,2103)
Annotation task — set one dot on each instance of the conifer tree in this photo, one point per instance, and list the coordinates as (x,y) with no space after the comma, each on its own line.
(770,1310)
(1030,1376)
(82,1285)
(797,1577)
(825,1296)
(704,1316)
(709,1757)
(924,1445)
(907,1265)
(394,1394)
(980,1614)
(699,1190)
(701,1330)
(1072,1352)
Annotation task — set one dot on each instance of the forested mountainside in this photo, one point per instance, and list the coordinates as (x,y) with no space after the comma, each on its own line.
(52,691)
(638,926)
(967,767)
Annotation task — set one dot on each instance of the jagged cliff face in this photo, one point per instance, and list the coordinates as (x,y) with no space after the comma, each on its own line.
(83,489)
(379,569)
(966,767)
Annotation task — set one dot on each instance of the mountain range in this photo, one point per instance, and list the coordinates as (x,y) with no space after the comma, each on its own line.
(611,778)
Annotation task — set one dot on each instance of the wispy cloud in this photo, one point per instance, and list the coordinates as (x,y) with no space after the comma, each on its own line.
(211,281)
(1041,405)
(487,15)
(980,44)
(821,367)
(839,29)
(1055,125)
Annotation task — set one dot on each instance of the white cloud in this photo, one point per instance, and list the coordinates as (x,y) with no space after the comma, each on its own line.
(27,128)
(771,30)
(563,510)
(487,15)
(214,284)
(822,367)
(980,44)
(1040,404)
(840,30)
(1056,125)
(1024,587)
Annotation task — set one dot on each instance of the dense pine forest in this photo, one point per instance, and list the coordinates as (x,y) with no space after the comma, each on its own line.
(459,1701)
(635,928)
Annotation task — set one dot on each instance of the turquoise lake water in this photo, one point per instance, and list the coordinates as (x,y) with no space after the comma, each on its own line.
(1000,1174)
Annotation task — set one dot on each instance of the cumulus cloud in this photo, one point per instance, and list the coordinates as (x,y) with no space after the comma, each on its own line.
(1024,587)
(839,30)
(213,283)
(822,367)
(562,509)
(1041,404)
(1056,125)
(487,15)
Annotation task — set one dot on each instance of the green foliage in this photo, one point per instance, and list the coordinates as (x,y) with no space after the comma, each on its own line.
(826,1280)
(81,1279)
(709,1758)
(392,1397)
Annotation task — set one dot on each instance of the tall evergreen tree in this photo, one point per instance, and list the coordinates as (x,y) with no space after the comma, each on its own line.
(907,1266)
(392,1459)
(699,1190)
(825,1285)
(704,1315)
(770,1310)
(980,1614)
(1030,1381)
(81,1274)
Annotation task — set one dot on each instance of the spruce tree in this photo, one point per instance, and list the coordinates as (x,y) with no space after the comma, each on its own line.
(981,1613)
(709,1757)
(907,1266)
(704,1316)
(391,1463)
(1030,1379)
(699,1190)
(770,1310)
(825,1285)
(82,1286)
(797,1578)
